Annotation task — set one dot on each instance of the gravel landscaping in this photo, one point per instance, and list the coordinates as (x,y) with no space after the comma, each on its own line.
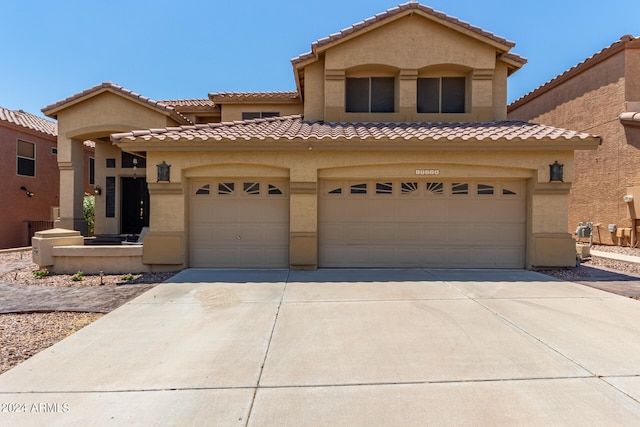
(25,334)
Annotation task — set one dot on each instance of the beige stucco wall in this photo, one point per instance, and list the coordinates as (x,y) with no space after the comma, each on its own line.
(547,202)
(408,48)
(233,112)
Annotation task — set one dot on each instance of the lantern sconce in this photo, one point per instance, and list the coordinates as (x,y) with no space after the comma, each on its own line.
(97,190)
(164,171)
(555,172)
(135,167)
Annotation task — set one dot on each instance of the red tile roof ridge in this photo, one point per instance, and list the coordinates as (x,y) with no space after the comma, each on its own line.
(266,95)
(392,12)
(295,128)
(187,102)
(117,88)
(583,65)
(29,121)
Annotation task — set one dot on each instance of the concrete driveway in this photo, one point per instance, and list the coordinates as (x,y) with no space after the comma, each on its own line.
(343,348)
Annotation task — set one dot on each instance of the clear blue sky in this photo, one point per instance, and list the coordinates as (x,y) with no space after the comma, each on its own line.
(185,49)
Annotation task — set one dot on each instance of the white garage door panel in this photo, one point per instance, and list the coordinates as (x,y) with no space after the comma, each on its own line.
(472,224)
(239,224)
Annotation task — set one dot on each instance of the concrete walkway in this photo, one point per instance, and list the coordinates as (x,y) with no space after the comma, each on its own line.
(343,347)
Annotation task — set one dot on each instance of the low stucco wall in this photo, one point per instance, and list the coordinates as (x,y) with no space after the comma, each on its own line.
(94,259)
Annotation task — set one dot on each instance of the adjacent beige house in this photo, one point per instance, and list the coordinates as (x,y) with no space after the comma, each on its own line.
(600,95)
(393,151)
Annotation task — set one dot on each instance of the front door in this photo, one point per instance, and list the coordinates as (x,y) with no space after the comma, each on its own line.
(134,205)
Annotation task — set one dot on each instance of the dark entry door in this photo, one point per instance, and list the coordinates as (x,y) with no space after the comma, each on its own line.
(135,205)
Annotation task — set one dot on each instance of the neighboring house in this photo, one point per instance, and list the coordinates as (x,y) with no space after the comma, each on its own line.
(394,151)
(601,95)
(28,174)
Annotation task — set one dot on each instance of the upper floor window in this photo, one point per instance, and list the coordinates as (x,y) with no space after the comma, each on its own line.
(441,95)
(259,115)
(370,95)
(26,158)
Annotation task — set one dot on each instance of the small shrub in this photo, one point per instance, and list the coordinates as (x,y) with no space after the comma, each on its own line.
(127,278)
(40,274)
(78,276)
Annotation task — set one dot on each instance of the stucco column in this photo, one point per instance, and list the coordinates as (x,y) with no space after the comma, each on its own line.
(71,164)
(550,244)
(303,220)
(334,94)
(482,94)
(165,245)
(407,89)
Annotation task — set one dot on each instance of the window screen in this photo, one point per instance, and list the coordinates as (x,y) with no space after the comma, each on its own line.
(441,95)
(370,95)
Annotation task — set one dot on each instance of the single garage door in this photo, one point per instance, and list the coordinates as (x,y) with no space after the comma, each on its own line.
(423,223)
(239,223)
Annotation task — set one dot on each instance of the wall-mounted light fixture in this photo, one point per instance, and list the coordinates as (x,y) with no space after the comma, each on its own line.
(97,190)
(27,192)
(555,172)
(164,172)
(135,167)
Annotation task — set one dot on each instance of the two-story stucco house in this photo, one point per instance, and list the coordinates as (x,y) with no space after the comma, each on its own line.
(393,151)
(600,95)
(28,175)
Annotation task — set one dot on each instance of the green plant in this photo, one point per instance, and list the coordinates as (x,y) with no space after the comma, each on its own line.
(127,278)
(78,276)
(41,273)
(88,211)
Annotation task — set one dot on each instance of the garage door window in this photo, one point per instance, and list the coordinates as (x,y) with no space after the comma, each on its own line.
(458,188)
(435,188)
(359,189)
(408,187)
(205,189)
(226,189)
(384,188)
(252,188)
(485,189)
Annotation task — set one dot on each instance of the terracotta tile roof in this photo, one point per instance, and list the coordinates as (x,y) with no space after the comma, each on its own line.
(29,121)
(594,59)
(392,12)
(221,97)
(51,110)
(294,128)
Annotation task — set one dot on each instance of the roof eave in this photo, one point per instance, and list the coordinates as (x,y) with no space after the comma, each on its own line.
(342,144)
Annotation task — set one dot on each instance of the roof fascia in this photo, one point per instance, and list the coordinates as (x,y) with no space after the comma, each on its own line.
(53,112)
(22,129)
(546,144)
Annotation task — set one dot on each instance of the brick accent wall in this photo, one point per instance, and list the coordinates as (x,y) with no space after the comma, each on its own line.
(591,100)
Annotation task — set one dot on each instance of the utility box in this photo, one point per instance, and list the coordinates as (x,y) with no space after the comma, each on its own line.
(44,241)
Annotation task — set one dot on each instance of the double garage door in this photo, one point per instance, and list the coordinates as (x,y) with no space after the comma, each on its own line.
(364,223)
(427,223)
